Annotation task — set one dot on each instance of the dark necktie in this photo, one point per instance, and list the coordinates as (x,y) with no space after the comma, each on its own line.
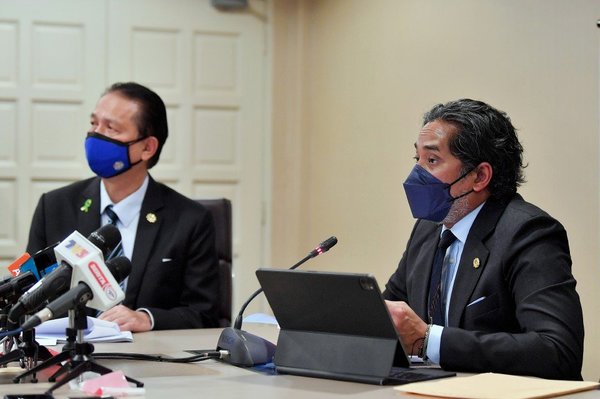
(113,219)
(436,313)
(118,251)
(112,216)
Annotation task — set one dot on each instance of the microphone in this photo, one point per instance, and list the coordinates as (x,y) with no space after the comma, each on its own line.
(14,287)
(23,261)
(58,281)
(321,248)
(84,291)
(106,238)
(45,261)
(40,263)
(10,290)
(88,265)
(246,349)
(55,283)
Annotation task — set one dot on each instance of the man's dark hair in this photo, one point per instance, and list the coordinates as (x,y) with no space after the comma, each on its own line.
(151,120)
(483,134)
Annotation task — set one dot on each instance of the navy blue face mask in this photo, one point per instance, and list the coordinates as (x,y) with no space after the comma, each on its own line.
(429,198)
(108,157)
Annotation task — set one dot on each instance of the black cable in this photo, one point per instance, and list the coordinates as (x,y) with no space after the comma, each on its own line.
(159,358)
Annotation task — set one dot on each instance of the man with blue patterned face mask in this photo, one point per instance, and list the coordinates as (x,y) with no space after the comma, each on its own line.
(168,237)
(485,282)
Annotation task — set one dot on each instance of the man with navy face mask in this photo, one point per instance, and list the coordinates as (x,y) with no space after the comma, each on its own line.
(485,282)
(168,237)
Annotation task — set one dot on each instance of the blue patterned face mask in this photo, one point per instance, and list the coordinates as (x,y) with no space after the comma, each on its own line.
(429,198)
(108,157)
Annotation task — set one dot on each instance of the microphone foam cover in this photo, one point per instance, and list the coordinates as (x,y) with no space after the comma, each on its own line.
(106,238)
(120,267)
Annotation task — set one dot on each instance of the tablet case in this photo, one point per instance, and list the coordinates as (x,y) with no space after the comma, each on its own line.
(333,325)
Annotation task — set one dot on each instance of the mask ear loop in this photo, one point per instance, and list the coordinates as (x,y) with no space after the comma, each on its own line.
(457,180)
(136,140)
(129,144)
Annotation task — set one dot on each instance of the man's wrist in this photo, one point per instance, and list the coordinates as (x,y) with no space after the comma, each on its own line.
(150,316)
(422,353)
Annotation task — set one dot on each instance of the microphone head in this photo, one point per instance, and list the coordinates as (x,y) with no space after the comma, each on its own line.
(120,267)
(14,287)
(328,243)
(106,238)
(323,247)
(45,259)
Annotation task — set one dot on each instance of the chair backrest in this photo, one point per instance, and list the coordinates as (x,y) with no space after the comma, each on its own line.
(220,210)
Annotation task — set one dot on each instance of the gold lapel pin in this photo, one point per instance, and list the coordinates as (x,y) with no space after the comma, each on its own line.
(151,217)
(86,205)
(476,263)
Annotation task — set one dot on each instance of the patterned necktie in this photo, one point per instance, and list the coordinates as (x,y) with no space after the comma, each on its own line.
(112,216)
(113,219)
(436,313)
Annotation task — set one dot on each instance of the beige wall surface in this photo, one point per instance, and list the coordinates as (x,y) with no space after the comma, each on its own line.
(351,81)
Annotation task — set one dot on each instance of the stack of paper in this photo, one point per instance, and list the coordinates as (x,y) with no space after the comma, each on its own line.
(53,331)
(495,386)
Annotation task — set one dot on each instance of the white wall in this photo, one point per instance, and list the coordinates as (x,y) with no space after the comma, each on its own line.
(352,80)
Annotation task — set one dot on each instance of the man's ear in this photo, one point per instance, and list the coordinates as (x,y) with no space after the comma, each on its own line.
(484,176)
(150,148)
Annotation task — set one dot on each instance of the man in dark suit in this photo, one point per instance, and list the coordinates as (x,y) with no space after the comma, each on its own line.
(504,300)
(168,237)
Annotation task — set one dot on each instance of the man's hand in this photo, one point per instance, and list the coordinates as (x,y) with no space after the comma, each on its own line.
(410,327)
(127,319)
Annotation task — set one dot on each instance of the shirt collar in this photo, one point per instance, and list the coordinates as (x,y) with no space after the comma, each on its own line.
(462,227)
(129,207)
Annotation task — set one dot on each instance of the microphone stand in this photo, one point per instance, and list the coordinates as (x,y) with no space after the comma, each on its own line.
(27,352)
(246,349)
(77,357)
(238,320)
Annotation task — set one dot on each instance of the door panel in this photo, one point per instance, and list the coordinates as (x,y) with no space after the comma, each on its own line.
(207,65)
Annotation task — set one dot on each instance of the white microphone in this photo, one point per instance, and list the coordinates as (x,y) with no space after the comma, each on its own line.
(88,266)
(83,292)
(58,281)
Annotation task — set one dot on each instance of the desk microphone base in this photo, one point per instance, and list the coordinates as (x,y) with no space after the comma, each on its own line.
(245,349)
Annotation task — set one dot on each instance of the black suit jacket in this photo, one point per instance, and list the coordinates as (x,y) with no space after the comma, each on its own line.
(174,262)
(530,322)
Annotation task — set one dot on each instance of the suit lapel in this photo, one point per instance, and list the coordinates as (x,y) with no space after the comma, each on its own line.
(473,259)
(147,230)
(88,215)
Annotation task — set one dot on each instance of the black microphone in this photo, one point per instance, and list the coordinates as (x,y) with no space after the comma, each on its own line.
(14,287)
(55,283)
(246,349)
(106,238)
(44,261)
(10,290)
(321,248)
(58,281)
(119,267)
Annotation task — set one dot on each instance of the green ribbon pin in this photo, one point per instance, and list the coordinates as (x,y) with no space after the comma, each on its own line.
(86,205)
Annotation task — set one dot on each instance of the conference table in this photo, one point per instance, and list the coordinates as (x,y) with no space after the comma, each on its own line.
(211,378)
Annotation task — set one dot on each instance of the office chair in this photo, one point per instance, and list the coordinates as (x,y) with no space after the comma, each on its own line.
(220,210)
